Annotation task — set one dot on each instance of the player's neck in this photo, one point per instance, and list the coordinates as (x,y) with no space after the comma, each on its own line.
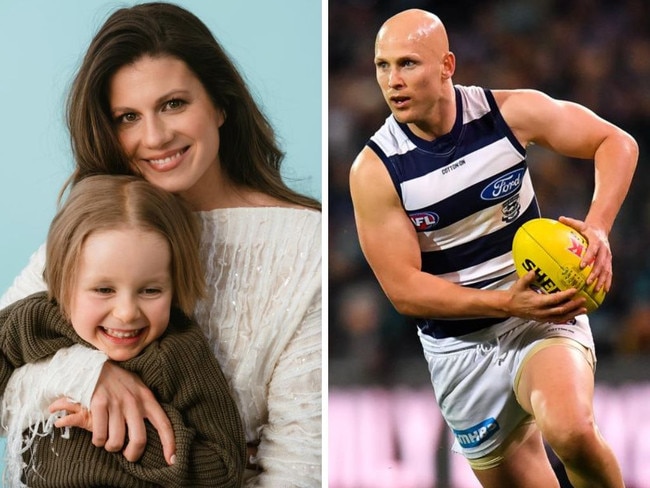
(441,119)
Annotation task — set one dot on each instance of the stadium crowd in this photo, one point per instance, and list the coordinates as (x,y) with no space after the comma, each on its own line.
(594,52)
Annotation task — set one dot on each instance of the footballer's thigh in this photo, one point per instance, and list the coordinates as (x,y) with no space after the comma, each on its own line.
(556,387)
(556,384)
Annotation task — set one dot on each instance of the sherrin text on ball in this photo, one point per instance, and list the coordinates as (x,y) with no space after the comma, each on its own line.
(554,251)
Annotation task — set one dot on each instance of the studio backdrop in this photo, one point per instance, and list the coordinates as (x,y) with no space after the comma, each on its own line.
(276,45)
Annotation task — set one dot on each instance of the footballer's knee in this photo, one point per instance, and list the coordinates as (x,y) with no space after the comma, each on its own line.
(573,442)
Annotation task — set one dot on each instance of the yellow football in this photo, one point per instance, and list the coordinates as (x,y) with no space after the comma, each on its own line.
(554,251)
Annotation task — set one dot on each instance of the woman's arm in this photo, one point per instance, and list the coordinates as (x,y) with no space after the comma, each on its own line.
(290,444)
(30,280)
(186,378)
(32,387)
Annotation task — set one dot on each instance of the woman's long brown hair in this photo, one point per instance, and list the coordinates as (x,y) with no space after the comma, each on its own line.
(249,152)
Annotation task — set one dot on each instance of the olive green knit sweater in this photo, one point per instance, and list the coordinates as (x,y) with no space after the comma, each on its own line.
(183,374)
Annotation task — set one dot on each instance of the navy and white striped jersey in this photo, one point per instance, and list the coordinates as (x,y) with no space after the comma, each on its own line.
(466,193)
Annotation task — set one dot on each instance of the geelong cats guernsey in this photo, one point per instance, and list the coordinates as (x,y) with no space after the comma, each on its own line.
(466,193)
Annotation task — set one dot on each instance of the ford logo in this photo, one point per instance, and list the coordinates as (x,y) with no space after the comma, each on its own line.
(424,221)
(504,186)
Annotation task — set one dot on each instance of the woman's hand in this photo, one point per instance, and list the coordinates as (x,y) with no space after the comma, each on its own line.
(120,404)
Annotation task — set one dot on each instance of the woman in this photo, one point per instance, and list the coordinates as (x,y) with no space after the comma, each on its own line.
(157,96)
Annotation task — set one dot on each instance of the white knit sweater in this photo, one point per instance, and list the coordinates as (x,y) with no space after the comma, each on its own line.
(262,316)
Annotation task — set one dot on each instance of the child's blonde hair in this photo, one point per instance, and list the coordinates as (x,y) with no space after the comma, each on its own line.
(99,203)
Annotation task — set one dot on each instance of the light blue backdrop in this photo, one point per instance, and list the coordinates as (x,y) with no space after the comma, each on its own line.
(276,44)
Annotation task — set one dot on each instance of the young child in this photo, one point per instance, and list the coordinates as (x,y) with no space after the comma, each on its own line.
(123,274)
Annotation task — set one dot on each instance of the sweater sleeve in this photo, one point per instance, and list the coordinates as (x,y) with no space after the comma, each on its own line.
(290,447)
(33,329)
(30,329)
(30,280)
(75,386)
(33,387)
(210,443)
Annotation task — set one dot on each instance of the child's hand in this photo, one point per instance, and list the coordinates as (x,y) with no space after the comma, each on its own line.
(76,416)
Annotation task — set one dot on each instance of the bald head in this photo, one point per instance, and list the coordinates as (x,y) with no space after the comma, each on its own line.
(415,26)
(414,66)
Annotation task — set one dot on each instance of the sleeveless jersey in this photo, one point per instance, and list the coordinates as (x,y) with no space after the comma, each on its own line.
(466,193)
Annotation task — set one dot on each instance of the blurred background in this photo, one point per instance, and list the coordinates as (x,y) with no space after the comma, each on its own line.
(384,426)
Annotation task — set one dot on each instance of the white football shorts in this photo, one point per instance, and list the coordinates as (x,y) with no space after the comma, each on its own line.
(474,377)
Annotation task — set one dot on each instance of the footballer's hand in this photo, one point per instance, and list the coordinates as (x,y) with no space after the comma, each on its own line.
(559,307)
(599,253)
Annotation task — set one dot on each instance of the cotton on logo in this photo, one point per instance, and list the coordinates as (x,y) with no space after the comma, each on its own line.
(424,221)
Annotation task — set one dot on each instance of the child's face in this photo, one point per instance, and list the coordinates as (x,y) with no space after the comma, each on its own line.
(123,293)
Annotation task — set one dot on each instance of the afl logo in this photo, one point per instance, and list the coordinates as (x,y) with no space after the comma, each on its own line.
(504,186)
(424,221)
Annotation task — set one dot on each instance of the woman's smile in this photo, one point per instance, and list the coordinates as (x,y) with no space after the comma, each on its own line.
(169,161)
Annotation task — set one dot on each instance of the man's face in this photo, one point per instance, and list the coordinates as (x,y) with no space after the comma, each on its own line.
(409,71)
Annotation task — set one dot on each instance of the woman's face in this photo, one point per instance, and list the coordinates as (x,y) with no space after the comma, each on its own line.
(168,126)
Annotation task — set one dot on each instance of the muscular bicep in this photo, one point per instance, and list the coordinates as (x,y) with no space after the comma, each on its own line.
(565,127)
(386,234)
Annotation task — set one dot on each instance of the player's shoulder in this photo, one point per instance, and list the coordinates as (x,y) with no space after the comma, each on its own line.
(366,156)
(366,161)
(519,96)
(523,109)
